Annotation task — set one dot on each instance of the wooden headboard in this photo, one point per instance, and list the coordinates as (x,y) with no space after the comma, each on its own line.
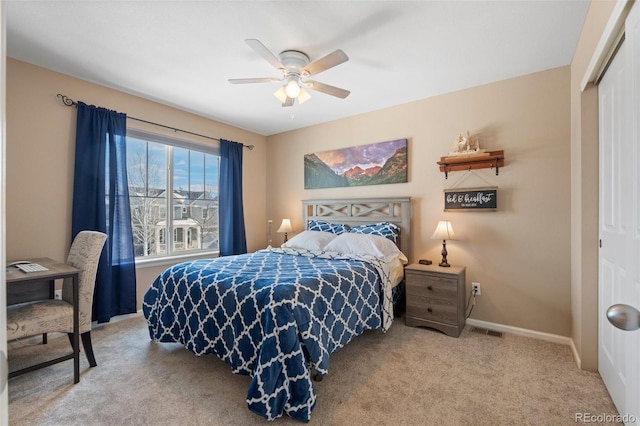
(360,211)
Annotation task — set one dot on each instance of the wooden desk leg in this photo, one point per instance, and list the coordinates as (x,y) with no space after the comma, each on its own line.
(76,329)
(52,295)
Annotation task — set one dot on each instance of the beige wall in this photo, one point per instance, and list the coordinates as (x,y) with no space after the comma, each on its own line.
(521,253)
(584,191)
(40,159)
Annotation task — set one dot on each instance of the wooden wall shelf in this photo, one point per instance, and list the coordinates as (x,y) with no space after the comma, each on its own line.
(485,160)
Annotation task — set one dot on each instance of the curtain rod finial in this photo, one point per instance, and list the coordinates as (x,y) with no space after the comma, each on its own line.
(65,100)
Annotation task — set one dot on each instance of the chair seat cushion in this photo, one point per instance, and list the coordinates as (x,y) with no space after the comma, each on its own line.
(45,316)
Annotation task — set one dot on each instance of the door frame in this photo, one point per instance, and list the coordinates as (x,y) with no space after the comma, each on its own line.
(4,404)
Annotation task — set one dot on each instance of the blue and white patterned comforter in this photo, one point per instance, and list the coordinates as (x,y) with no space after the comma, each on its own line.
(273,315)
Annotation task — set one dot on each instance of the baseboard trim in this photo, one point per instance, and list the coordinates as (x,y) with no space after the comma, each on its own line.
(576,355)
(554,338)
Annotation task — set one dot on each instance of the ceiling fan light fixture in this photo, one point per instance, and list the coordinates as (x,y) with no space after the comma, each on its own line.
(295,67)
(292,88)
(304,96)
(281,94)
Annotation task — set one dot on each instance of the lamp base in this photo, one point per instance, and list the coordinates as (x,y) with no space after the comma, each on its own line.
(444,263)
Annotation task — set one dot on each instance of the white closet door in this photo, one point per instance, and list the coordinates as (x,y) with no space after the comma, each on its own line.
(632,33)
(619,258)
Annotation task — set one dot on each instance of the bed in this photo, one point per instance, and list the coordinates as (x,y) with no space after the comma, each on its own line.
(278,314)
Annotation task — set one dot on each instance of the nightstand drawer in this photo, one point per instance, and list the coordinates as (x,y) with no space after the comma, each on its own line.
(435,297)
(444,311)
(434,287)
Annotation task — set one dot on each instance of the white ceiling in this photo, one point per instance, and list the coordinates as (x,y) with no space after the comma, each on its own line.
(181,53)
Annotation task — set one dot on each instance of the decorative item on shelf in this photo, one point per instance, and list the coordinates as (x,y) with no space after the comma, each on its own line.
(444,232)
(285,228)
(466,154)
(269,222)
(466,145)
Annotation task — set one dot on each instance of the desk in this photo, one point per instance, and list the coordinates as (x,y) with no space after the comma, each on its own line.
(23,287)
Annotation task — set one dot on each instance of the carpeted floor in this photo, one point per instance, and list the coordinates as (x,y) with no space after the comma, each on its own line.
(408,376)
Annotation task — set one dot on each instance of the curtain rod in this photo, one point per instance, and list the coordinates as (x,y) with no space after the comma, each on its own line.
(70,102)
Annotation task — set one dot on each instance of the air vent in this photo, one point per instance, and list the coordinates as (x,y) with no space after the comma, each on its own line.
(487,332)
(494,333)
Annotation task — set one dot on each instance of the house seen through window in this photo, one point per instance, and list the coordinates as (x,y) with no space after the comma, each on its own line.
(173,191)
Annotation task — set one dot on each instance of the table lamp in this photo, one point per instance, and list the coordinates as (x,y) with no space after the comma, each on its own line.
(285,227)
(444,232)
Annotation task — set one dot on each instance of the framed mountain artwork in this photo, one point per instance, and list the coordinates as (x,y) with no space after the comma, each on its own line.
(373,164)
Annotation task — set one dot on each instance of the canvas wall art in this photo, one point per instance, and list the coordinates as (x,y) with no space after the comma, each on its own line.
(372,164)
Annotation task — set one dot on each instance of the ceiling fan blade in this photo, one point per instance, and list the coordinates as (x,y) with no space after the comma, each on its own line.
(288,102)
(328,89)
(254,80)
(262,50)
(326,62)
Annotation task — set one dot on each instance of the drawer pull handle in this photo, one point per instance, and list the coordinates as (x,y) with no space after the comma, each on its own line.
(429,287)
(429,310)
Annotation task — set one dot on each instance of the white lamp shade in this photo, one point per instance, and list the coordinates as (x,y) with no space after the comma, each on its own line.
(285,226)
(304,96)
(281,94)
(444,231)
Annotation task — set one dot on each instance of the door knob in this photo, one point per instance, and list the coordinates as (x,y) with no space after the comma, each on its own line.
(624,317)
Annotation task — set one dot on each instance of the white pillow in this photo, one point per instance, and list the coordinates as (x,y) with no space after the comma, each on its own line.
(363,244)
(310,240)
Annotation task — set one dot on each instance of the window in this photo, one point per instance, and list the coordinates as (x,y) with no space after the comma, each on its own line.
(173,190)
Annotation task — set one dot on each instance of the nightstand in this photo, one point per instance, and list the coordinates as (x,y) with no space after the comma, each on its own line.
(435,297)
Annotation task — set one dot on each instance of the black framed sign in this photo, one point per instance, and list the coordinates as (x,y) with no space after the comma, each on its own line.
(471,199)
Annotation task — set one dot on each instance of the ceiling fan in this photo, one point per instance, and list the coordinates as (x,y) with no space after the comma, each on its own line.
(296,68)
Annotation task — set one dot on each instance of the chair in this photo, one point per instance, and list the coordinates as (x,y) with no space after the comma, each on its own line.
(49,316)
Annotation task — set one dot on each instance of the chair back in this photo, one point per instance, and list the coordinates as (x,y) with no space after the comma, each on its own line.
(84,254)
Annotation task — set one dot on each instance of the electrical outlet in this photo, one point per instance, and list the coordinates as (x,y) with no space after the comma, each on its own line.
(58,294)
(476,288)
